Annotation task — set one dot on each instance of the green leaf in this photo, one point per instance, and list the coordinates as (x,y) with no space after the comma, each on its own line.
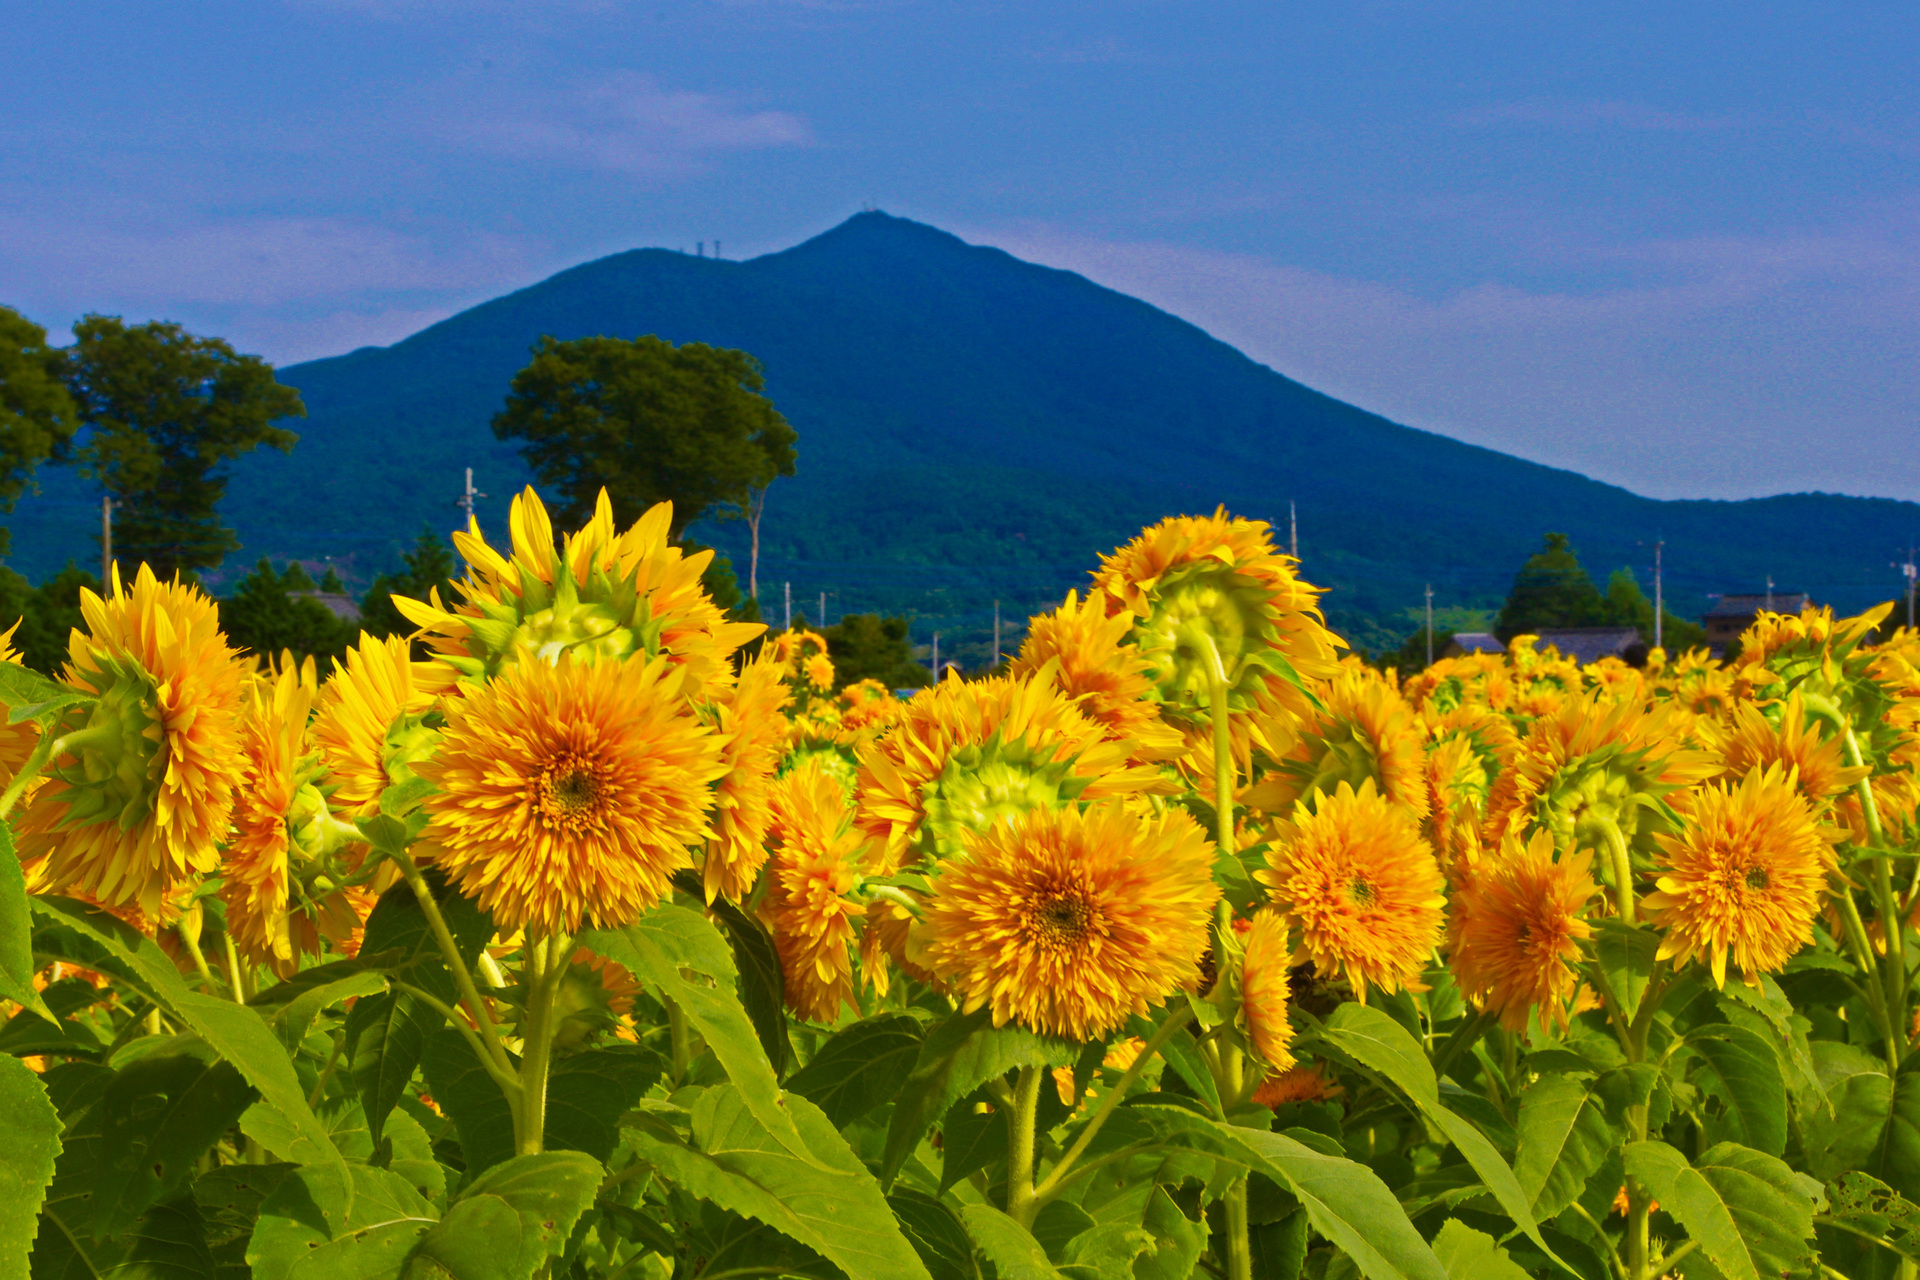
(763,986)
(1279,1249)
(513,1217)
(588,1092)
(345,1222)
(17,965)
(169,1241)
(295,1017)
(1345,1202)
(655,948)
(1862,1205)
(29,1145)
(28,695)
(830,1204)
(957,1057)
(154,1122)
(1751,1214)
(935,1234)
(1182,1053)
(970,1139)
(1564,1138)
(229,1198)
(398,926)
(1876,1121)
(860,1068)
(1787,1029)
(1375,1040)
(470,1098)
(1473,1255)
(1625,953)
(1178,1241)
(234,1031)
(385,1035)
(1010,1247)
(1742,1070)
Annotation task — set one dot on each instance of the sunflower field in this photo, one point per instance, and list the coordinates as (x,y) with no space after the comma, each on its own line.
(590,934)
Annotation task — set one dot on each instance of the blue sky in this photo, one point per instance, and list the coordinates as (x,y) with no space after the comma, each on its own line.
(1676,247)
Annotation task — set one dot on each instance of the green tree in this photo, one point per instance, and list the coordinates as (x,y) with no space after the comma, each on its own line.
(167,410)
(46,614)
(37,415)
(1551,590)
(270,611)
(1627,606)
(429,567)
(649,422)
(867,646)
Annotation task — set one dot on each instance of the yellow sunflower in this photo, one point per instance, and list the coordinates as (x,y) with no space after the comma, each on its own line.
(1090,661)
(1363,730)
(965,754)
(1352,874)
(17,741)
(756,736)
(1517,928)
(605,595)
(1070,921)
(1302,1084)
(1744,879)
(815,869)
(1750,739)
(1265,975)
(571,793)
(144,797)
(366,721)
(254,873)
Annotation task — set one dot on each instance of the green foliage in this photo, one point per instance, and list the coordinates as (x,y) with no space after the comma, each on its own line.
(1551,590)
(649,422)
(428,567)
(866,646)
(37,416)
(165,412)
(270,611)
(46,614)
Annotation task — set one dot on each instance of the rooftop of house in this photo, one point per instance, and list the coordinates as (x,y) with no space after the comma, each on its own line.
(1476,642)
(1590,644)
(1745,606)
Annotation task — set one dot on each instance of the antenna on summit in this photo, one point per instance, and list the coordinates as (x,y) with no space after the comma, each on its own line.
(466,500)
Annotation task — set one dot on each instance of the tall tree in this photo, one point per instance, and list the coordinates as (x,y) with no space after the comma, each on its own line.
(167,410)
(37,416)
(1551,590)
(649,422)
(866,646)
(271,610)
(429,567)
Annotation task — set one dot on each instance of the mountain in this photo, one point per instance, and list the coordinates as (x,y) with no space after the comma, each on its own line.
(974,427)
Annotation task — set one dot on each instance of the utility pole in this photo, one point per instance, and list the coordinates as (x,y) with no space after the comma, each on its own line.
(788,587)
(466,499)
(1429,624)
(1909,569)
(106,543)
(1293,530)
(1659,601)
(936,657)
(822,620)
(1769,593)
(996,628)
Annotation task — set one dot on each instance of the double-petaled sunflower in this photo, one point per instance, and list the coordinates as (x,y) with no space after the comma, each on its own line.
(1088,657)
(815,868)
(749,717)
(1363,730)
(1517,928)
(1352,874)
(1744,878)
(1750,739)
(144,796)
(254,873)
(570,793)
(367,721)
(1069,921)
(1266,971)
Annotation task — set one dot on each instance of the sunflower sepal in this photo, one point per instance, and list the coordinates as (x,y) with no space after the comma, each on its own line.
(403,797)
(390,836)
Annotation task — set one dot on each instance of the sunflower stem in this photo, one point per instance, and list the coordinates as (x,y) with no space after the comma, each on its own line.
(1109,1102)
(1876,993)
(1239,1245)
(236,976)
(1622,871)
(456,963)
(189,938)
(1023,1203)
(29,770)
(1462,1040)
(546,967)
(1893,971)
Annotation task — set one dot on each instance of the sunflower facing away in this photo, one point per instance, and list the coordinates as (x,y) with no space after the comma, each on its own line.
(1089,658)
(254,888)
(1266,970)
(571,793)
(1069,921)
(1517,929)
(815,868)
(144,799)
(17,741)
(749,717)
(1362,730)
(1744,878)
(366,720)
(1354,877)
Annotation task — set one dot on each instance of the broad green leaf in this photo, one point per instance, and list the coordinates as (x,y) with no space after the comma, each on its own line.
(957,1057)
(588,1092)
(1564,1137)
(234,1031)
(513,1217)
(1178,1241)
(169,1241)
(1105,1249)
(1786,1029)
(1346,1202)
(935,1234)
(398,930)
(1473,1255)
(1625,953)
(1279,1249)
(229,1198)
(1375,1040)
(1864,1206)
(295,1018)
(29,1145)
(655,948)
(831,1204)
(1182,1053)
(17,965)
(1742,1070)
(385,1035)
(28,695)
(763,986)
(860,1068)
(470,1098)
(338,1222)
(1876,1121)
(154,1122)
(970,1138)
(1010,1247)
(1058,1223)
(1750,1213)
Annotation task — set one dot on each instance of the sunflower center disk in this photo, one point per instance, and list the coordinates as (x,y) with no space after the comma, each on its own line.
(1062,923)
(573,792)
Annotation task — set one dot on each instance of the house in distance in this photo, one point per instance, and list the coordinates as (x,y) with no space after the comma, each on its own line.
(1733,614)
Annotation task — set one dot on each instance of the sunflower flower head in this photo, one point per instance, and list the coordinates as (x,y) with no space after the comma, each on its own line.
(1517,928)
(603,595)
(1265,978)
(1089,658)
(1363,730)
(1784,651)
(1744,879)
(755,731)
(1211,598)
(255,873)
(1784,735)
(1352,874)
(816,867)
(143,798)
(1069,921)
(571,793)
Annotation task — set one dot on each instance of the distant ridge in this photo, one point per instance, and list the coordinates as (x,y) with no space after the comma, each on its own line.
(974,426)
